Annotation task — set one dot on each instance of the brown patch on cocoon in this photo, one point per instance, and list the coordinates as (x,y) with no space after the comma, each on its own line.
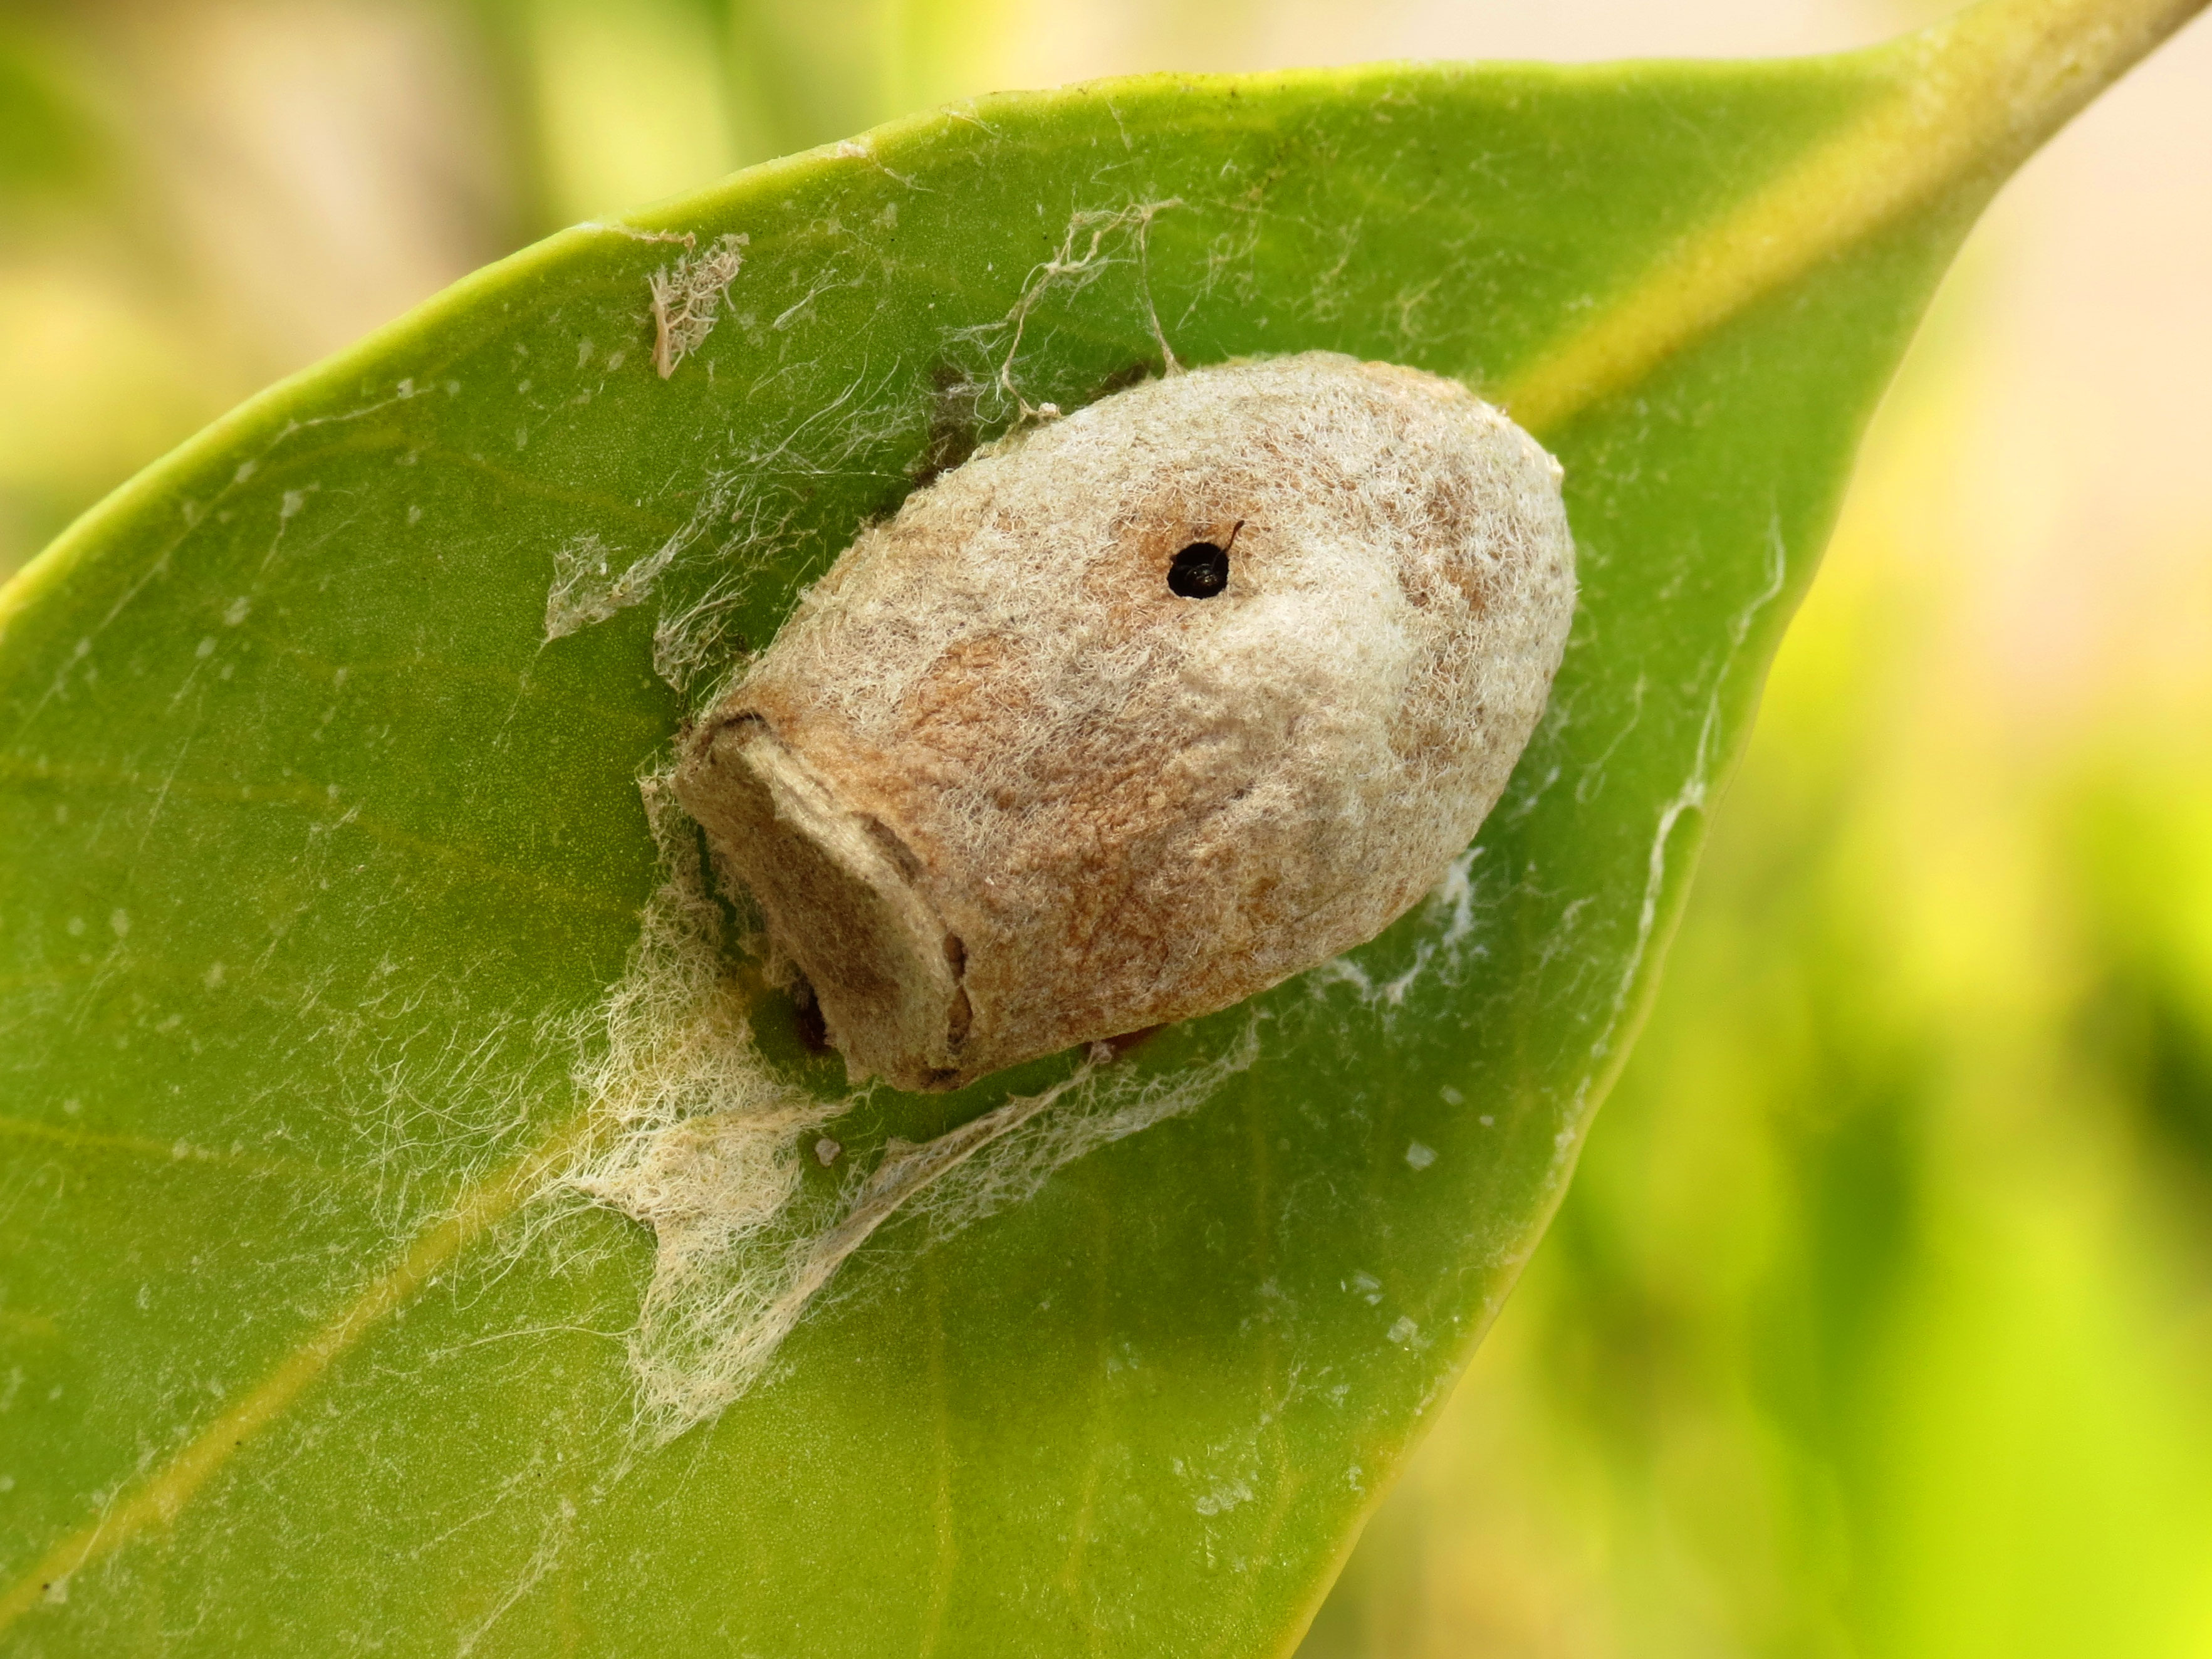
(999,789)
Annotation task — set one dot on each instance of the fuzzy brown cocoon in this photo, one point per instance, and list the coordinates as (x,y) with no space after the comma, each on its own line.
(1000,789)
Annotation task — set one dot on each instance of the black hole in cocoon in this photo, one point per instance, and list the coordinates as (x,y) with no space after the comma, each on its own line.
(1200,571)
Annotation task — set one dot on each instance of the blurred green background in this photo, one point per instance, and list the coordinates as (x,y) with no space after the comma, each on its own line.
(1878,1320)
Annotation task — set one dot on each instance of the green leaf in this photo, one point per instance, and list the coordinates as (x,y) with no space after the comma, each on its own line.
(323,856)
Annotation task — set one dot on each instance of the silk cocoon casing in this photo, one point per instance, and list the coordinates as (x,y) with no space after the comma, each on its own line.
(1142,711)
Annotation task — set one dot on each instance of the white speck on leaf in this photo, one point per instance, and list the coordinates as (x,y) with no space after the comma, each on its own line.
(1420,1157)
(1225,1495)
(687,297)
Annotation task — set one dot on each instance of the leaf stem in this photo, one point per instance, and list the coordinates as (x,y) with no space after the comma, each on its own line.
(1976,96)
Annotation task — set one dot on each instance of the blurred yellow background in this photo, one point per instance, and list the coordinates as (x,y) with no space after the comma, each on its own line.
(1879,1321)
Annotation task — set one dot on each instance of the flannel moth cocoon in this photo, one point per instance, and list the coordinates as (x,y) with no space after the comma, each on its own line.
(1142,711)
